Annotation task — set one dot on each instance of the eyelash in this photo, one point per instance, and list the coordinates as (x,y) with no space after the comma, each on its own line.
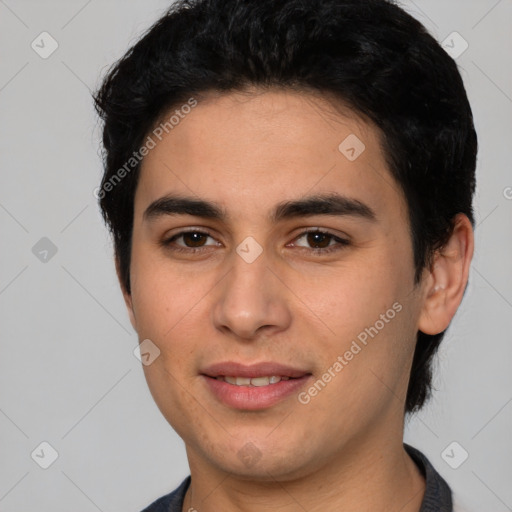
(341,242)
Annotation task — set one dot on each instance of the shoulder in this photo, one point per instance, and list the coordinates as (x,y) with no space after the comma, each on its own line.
(438,495)
(172,502)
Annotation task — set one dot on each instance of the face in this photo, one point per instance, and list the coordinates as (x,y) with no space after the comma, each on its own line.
(272,266)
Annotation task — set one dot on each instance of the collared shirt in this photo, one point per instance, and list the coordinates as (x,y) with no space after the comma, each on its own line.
(438,495)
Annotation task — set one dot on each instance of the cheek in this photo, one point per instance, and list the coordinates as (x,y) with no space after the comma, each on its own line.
(364,311)
(346,299)
(163,297)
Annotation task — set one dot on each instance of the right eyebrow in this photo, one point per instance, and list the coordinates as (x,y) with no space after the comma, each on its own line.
(175,205)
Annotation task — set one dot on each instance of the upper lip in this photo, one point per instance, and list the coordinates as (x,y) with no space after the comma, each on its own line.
(264,369)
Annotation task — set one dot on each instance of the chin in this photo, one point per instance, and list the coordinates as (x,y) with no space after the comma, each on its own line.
(262,462)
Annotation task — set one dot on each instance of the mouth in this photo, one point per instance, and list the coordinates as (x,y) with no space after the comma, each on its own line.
(253,382)
(253,387)
(258,374)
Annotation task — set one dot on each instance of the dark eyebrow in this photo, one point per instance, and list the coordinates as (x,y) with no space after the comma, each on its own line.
(175,205)
(325,204)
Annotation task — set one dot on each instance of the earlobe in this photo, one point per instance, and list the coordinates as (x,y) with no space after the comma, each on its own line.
(447,278)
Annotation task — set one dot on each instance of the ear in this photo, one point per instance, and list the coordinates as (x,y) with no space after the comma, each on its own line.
(447,278)
(126,295)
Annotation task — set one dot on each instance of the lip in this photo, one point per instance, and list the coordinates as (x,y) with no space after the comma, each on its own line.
(264,369)
(253,398)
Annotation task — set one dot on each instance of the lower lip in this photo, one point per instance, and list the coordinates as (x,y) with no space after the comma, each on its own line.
(253,398)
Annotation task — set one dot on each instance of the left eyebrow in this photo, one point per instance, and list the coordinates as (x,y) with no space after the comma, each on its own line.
(324,204)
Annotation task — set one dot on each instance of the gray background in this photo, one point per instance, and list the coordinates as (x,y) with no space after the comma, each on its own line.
(68,375)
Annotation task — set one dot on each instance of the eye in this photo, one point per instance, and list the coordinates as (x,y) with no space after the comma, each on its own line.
(190,241)
(317,241)
(320,241)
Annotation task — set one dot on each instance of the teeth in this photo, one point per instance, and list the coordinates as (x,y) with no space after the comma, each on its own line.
(261,381)
(256,381)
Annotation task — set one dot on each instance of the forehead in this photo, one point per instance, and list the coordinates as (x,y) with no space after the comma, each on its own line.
(250,151)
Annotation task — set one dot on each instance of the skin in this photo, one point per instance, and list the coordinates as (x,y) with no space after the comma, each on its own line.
(248,153)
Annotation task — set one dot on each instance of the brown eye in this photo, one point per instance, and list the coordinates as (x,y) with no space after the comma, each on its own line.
(190,241)
(194,239)
(319,240)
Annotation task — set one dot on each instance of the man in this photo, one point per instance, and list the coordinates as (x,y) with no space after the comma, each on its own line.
(289,186)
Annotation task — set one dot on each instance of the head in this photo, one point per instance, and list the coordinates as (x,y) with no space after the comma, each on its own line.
(247,108)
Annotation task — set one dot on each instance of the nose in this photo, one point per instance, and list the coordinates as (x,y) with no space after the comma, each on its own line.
(251,300)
